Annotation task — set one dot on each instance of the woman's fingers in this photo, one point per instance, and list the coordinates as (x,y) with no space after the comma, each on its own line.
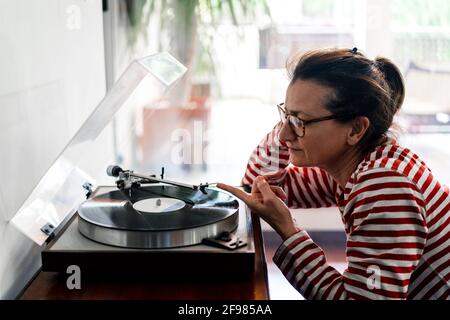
(279,192)
(262,193)
(244,196)
(254,188)
(264,188)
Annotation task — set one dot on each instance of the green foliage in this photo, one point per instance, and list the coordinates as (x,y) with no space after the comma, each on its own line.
(180,18)
(410,13)
(138,18)
(182,13)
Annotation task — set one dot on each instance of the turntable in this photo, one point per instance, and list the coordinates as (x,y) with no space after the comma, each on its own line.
(170,214)
(148,224)
(125,222)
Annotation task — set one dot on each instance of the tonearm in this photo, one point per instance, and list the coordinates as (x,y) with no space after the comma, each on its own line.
(128,179)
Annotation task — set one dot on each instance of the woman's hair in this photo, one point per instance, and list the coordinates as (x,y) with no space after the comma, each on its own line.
(362,87)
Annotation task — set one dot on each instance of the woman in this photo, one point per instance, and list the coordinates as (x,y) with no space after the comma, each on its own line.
(333,148)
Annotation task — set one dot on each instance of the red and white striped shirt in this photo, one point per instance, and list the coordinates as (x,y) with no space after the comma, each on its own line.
(396,217)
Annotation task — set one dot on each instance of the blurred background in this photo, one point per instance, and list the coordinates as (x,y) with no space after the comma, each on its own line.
(59,58)
(237,52)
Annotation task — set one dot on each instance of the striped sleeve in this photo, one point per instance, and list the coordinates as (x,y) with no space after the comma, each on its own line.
(384,246)
(306,187)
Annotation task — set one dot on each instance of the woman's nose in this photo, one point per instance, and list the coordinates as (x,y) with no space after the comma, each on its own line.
(286,133)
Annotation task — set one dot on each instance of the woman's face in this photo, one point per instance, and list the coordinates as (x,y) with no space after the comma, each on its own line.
(324,142)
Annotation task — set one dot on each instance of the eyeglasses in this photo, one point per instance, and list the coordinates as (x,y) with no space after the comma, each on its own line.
(298,125)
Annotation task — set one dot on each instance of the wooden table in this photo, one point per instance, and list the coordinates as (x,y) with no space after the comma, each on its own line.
(52,285)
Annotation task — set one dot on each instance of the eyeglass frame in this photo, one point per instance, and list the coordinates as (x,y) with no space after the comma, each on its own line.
(282,110)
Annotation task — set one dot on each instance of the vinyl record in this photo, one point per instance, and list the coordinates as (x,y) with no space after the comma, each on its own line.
(157,216)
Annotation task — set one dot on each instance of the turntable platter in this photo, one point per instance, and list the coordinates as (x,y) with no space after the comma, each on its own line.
(157,216)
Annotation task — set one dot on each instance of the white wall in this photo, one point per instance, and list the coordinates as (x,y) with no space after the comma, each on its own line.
(52,76)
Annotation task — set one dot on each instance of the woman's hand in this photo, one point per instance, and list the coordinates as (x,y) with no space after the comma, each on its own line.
(267,202)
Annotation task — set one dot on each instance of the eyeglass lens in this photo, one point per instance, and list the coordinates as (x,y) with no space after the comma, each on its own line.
(295,123)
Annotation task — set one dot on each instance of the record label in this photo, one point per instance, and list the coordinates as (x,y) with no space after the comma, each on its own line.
(158,205)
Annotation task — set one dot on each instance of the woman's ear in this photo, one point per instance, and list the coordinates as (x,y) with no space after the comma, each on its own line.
(358,128)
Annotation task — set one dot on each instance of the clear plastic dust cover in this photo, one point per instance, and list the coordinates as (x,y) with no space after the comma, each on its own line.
(113,134)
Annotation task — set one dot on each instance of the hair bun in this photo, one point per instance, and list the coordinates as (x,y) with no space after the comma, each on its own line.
(394,79)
